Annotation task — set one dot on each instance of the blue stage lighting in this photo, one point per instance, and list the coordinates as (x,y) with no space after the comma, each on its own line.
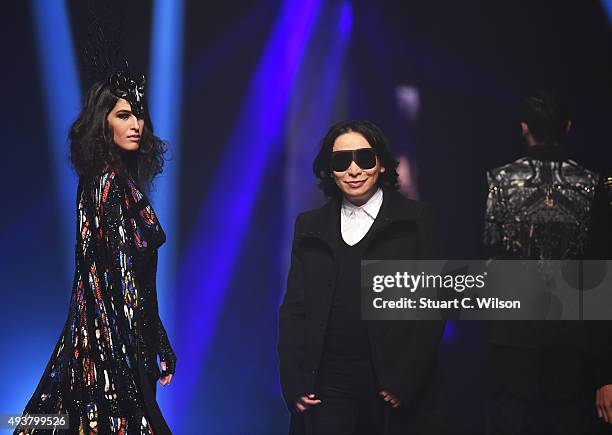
(450,331)
(607,4)
(165,104)
(225,214)
(61,91)
(313,107)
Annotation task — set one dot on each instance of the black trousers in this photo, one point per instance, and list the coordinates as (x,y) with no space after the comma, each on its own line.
(350,404)
(540,391)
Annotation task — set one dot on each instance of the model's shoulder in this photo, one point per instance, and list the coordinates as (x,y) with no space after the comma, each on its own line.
(107,185)
(571,168)
(124,185)
(107,177)
(509,170)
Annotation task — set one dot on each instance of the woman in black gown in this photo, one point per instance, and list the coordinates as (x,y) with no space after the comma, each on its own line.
(103,370)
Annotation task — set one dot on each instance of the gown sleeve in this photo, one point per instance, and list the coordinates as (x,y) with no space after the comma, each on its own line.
(164,349)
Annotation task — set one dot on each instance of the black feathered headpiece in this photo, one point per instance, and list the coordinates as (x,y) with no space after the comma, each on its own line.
(105,62)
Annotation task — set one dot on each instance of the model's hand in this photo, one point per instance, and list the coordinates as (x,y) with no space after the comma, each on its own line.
(603,402)
(166,379)
(305,402)
(390,398)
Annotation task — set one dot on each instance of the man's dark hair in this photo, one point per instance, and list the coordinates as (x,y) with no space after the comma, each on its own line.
(546,115)
(375,137)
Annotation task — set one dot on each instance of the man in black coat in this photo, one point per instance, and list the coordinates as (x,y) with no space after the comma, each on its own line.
(538,208)
(340,374)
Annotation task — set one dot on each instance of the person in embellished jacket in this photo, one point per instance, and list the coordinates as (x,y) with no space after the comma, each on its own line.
(538,208)
(103,370)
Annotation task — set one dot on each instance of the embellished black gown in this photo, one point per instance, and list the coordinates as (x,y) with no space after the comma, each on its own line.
(103,370)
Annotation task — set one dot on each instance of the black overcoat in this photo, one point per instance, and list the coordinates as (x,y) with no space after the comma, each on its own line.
(404,353)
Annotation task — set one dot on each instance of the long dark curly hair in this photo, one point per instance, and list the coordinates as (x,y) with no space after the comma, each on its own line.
(93,151)
(321,166)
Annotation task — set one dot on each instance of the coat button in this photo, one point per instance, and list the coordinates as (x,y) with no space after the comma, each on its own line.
(314,372)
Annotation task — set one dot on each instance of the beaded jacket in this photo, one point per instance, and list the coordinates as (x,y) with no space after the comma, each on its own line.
(538,207)
(113,334)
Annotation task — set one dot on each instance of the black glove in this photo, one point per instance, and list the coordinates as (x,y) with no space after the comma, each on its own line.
(166,354)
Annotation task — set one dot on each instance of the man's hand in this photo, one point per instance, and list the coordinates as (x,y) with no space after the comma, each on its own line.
(305,402)
(390,398)
(603,402)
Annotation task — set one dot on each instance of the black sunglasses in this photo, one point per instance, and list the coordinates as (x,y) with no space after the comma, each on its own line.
(364,157)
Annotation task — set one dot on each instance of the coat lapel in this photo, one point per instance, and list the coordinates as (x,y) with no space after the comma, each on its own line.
(394,209)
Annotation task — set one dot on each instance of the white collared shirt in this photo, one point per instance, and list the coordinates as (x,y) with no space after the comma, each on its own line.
(355,221)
